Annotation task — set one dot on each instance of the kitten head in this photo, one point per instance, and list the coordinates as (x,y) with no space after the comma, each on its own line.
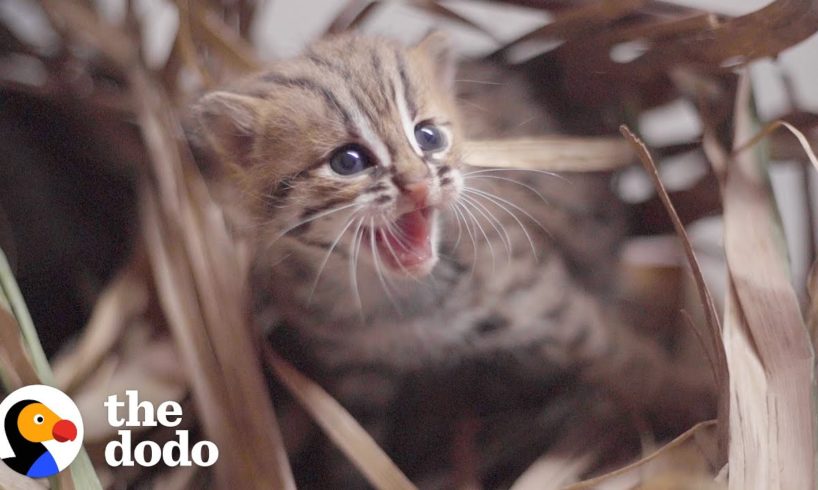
(352,146)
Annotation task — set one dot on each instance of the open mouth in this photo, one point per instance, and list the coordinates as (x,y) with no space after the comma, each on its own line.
(406,246)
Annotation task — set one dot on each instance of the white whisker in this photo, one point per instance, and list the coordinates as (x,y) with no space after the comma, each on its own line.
(350,220)
(479,82)
(459,227)
(517,182)
(497,202)
(530,170)
(494,222)
(376,260)
(482,230)
(313,218)
(353,265)
(392,250)
(458,209)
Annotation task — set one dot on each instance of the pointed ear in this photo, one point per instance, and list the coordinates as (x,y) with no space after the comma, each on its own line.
(436,47)
(229,122)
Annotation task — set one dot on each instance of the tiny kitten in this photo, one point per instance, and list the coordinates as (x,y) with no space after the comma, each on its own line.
(384,254)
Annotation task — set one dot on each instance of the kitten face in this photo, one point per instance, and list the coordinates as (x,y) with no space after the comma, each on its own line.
(352,148)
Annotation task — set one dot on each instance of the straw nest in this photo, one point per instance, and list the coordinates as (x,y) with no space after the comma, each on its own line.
(167,289)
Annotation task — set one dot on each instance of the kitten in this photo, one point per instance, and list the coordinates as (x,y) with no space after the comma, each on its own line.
(384,254)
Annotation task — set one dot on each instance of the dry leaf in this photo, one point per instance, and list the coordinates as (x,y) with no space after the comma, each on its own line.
(573,455)
(772,431)
(340,427)
(122,301)
(579,20)
(783,22)
(700,441)
(11,480)
(713,346)
(351,15)
(214,33)
(15,361)
(550,153)
(204,301)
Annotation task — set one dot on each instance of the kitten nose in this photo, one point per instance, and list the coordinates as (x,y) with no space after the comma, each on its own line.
(418,192)
(414,186)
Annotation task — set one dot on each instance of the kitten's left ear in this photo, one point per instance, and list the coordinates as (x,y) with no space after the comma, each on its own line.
(229,122)
(436,47)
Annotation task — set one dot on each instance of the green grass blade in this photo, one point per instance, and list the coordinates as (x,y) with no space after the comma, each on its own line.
(82,471)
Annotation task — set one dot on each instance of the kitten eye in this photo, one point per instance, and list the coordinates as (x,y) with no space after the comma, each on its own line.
(430,137)
(349,160)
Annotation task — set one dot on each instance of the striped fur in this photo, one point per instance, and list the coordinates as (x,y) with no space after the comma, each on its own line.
(523,263)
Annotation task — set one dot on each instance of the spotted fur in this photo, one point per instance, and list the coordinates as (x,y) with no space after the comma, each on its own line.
(522,273)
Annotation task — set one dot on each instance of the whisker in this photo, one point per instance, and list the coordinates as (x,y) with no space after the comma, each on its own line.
(392,250)
(376,260)
(530,170)
(353,266)
(390,228)
(482,230)
(399,235)
(475,105)
(517,182)
(490,196)
(493,221)
(459,228)
(480,82)
(313,218)
(458,209)
(324,262)
(497,202)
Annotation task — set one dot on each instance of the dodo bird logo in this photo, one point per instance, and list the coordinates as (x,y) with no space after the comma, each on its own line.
(41,432)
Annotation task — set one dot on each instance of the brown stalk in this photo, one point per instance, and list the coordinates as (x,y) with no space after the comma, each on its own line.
(701,200)
(768,350)
(571,23)
(13,356)
(186,44)
(812,311)
(655,31)
(122,301)
(550,153)
(702,428)
(11,480)
(436,8)
(715,348)
(341,428)
(783,22)
(351,15)
(575,453)
(212,31)
(199,281)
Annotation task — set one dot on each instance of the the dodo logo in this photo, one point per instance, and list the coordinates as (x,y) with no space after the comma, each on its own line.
(41,431)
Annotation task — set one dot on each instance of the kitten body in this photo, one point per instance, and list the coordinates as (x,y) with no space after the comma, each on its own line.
(415,261)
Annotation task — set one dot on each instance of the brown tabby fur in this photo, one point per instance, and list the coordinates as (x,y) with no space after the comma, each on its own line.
(524,262)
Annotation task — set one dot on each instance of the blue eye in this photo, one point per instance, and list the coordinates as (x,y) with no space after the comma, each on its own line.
(349,160)
(429,137)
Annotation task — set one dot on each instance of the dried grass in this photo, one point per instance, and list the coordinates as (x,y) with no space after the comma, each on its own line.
(769,354)
(24,362)
(186,280)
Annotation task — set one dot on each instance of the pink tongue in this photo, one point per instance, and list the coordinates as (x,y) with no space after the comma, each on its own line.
(411,245)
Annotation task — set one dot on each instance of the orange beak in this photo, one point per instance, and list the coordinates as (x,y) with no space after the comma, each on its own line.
(64,430)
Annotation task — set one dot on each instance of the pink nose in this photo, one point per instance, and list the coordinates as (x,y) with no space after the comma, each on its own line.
(64,430)
(418,192)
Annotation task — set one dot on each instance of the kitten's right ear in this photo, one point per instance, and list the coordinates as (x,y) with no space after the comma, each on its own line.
(437,48)
(229,123)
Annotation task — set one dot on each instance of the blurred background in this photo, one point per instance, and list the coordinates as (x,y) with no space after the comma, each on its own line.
(48,268)
(75,151)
